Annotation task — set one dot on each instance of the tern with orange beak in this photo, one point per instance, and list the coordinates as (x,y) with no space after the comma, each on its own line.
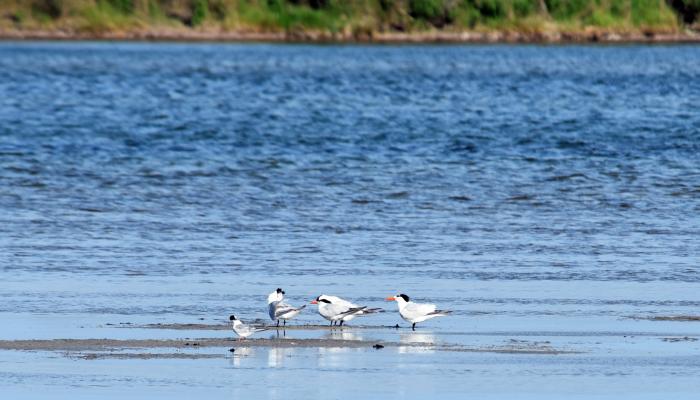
(338,310)
(416,312)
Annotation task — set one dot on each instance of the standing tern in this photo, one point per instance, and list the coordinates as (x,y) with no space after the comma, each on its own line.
(416,312)
(243,330)
(278,309)
(335,309)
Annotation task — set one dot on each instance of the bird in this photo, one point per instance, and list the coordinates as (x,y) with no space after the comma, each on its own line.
(338,310)
(278,309)
(416,312)
(243,330)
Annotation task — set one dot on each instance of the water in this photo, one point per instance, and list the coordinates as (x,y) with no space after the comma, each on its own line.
(539,192)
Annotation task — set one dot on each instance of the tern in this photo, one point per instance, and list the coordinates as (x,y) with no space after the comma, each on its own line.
(243,330)
(416,312)
(279,310)
(336,309)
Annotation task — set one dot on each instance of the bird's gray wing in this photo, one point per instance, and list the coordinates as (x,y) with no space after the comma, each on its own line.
(272,310)
(353,310)
(247,329)
(284,308)
(334,310)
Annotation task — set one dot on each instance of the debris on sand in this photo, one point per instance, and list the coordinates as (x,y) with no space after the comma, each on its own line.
(679,339)
(687,318)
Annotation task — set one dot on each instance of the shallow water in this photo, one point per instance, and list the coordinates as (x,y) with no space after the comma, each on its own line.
(539,192)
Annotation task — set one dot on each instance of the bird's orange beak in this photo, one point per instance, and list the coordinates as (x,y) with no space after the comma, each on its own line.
(314,302)
(392,298)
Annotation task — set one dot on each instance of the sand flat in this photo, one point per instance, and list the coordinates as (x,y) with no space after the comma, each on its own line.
(519,347)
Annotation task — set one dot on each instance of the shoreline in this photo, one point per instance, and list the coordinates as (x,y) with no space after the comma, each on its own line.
(591,36)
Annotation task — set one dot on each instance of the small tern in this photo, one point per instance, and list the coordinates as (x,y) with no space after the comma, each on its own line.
(416,312)
(278,309)
(338,310)
(243,330)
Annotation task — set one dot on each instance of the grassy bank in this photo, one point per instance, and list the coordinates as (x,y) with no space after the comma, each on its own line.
(348,19)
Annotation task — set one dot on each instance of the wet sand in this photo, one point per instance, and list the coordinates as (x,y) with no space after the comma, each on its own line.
(143,356)
(680,318)
(515,347)
(120,348)
(115,344)
(672,318)
(347,337)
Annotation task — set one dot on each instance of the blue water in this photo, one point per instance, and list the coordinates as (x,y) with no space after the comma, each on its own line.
(527,188)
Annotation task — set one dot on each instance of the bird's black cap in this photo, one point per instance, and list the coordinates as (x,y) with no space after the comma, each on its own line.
(404,297)
(232,317)
(279,290)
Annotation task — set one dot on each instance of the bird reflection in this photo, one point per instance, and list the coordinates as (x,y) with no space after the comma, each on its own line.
(277,355)
(343,334)
(240,354)
(416,342)
(339,334)
(280,333)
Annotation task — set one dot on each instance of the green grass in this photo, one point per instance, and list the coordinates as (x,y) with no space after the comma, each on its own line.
(200,12)
(106,15)
(342,15)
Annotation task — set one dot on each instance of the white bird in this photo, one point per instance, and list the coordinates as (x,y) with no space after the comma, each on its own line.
(243,330)
(335,309)
(416,312)
(278,309)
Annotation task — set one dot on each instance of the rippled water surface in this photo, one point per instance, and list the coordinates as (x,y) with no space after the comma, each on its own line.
(529,189)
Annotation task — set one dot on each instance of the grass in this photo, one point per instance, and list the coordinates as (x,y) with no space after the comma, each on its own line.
(107,16)
(333,16)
